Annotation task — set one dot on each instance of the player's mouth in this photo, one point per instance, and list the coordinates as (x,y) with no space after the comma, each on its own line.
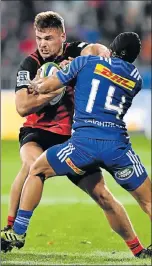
(45,52)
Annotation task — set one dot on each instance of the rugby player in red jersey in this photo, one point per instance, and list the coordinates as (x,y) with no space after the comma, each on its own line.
(47,125)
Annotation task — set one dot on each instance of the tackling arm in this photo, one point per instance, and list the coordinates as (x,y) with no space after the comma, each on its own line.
(51,86)
(29,103)
(54,84)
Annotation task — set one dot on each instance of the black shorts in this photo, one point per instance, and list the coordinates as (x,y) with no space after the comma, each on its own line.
(46,139)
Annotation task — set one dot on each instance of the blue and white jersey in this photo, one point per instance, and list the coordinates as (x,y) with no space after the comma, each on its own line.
(104,90)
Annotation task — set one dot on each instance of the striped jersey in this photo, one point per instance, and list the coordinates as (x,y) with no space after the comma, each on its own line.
(104,90)
(54,118)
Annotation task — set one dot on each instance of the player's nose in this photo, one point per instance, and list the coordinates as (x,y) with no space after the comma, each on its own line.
(43,43)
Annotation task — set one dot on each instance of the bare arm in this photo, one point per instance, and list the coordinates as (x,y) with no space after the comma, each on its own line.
(90,49)
(96,49)
(47,86)
(29,103)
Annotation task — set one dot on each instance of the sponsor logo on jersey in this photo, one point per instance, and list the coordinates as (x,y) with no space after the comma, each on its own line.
(103,124)
(23,78)
(124,173)
(106,72)
(74,167)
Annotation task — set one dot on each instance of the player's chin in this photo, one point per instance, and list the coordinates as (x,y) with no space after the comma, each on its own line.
(45,55)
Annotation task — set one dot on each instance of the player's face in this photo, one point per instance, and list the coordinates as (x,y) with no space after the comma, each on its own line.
(50,41)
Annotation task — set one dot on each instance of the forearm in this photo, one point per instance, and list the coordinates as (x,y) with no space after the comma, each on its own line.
(35,104)
(32,103)
(49,85)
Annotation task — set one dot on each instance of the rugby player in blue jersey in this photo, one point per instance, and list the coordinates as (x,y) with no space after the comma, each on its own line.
(104,90)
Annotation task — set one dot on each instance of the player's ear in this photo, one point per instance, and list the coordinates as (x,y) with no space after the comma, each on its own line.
(63,36)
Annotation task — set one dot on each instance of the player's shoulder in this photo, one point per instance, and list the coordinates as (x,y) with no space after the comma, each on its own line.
(78,44)
(88,58)
(126,69)
(84,59)
(91,59)
(135,74)
(31,60)
(73,49)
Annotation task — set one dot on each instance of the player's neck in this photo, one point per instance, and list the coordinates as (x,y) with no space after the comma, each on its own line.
(60,51)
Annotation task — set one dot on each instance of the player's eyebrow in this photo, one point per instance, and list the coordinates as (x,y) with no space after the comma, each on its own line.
(46,37)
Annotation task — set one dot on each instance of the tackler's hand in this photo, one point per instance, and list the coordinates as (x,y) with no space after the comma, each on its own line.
(34,86)
(39,86)
(65,62)
(104,51)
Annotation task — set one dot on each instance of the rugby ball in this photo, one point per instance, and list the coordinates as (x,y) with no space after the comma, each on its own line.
(47,70)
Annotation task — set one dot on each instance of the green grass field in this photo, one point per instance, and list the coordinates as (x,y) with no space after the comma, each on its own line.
(68,227)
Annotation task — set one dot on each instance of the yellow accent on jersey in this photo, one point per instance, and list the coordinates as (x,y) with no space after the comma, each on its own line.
(74,167)
(106,72)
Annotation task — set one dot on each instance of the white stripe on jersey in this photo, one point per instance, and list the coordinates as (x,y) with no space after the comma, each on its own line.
(134,166)
(135,76)
(133,72)
(110,61)
(137,162)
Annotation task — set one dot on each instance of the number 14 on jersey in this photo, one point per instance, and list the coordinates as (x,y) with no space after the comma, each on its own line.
(108,103)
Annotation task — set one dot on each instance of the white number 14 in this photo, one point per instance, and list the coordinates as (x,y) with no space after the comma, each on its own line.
(108,103)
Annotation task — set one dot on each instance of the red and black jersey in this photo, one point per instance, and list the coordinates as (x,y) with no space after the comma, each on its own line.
(55,118)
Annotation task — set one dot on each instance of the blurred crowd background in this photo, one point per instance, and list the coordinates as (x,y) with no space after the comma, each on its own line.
(91,21)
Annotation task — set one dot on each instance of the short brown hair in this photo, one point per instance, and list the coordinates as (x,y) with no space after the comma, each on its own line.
(49,19)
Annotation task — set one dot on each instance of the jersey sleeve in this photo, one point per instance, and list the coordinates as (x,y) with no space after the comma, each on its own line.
(139,85)
(75,48)
(71,70)
(27,70)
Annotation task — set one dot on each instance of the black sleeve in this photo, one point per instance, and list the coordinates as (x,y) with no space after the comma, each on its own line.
(27,70)
(75,48)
